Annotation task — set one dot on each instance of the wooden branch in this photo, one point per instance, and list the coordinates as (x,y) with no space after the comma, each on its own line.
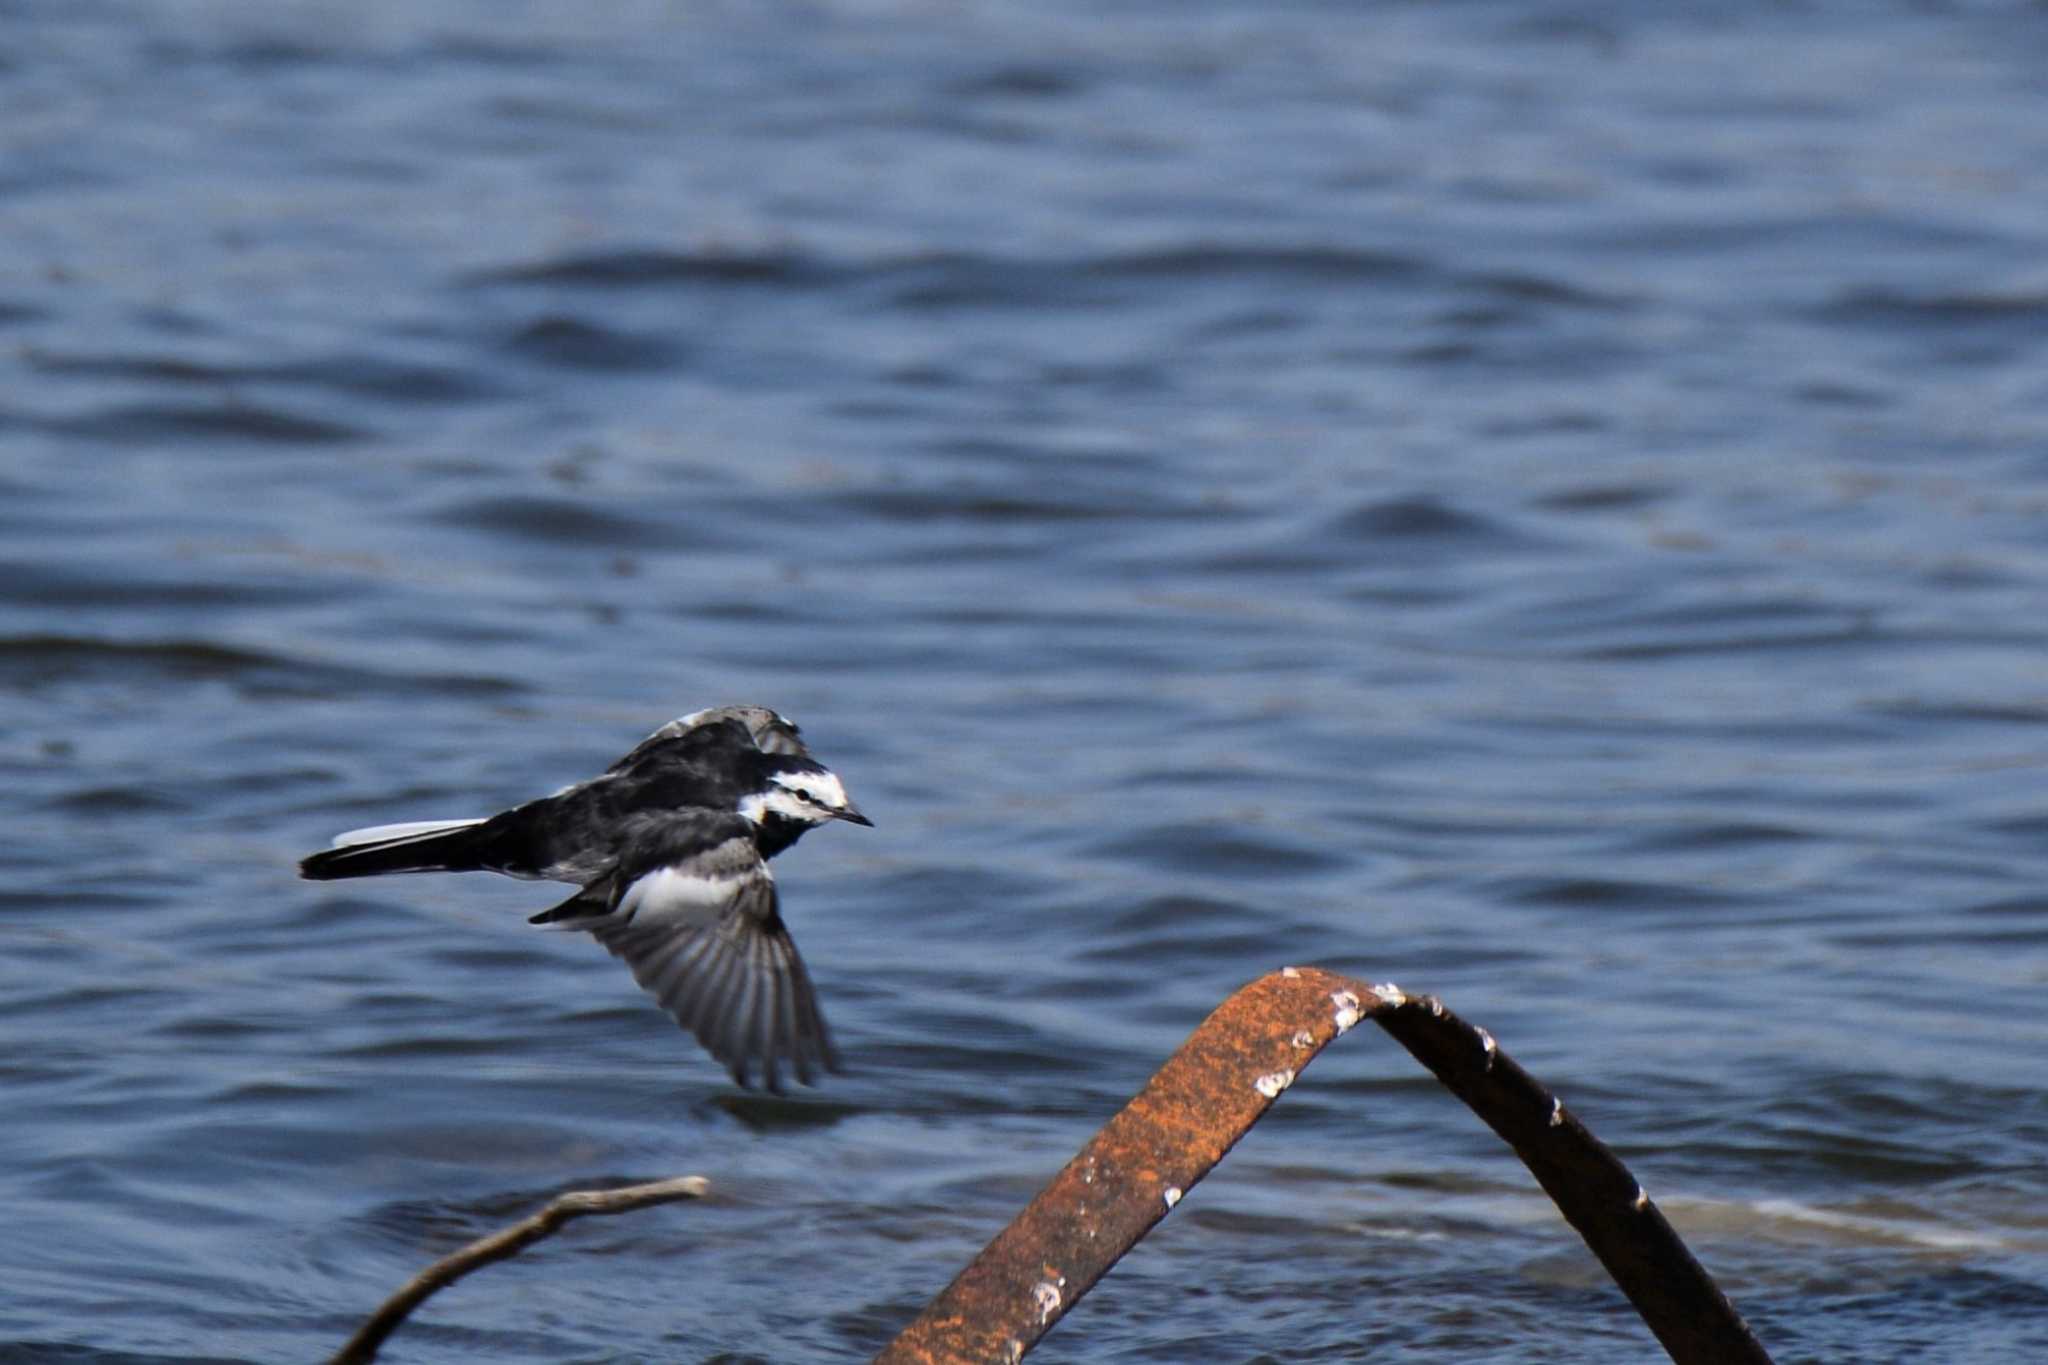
(363,1346)
(1220,1082)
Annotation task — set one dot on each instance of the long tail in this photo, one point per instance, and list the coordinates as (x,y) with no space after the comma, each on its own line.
(422,846)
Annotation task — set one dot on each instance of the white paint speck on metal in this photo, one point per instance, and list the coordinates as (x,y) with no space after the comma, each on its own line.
(1347,1010)
(1642,1199)
(1486,1042)
(1272,1083)
(1389,994)
(1303,1039)
(1172,1195)
(1291,973)
(1013,1351)
(1046,1295)
(1556,1113)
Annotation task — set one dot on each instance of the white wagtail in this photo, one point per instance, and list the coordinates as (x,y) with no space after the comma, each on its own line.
(670,846)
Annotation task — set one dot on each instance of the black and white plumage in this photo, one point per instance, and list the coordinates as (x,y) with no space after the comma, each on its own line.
(669,847)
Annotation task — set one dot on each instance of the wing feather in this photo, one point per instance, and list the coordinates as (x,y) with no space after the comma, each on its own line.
(704,936)
(410,829)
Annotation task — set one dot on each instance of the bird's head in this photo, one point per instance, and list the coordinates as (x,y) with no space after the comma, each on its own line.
(803,794)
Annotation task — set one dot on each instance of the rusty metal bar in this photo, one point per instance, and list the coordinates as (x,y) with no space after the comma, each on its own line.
(1134,1170)
(1220,1082)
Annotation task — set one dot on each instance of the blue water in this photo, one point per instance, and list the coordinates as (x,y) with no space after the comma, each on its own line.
(1544,504)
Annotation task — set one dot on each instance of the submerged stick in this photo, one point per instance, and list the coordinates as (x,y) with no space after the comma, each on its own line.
(363,1346)
(1221,1082)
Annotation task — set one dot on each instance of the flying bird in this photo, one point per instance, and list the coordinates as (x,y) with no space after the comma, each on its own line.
(669,848)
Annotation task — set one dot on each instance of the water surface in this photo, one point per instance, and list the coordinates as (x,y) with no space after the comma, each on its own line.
(1547,505)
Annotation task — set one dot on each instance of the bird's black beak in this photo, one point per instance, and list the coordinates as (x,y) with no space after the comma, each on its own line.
(852,816)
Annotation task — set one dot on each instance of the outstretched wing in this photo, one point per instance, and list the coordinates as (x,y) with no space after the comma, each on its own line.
(703,934)
(769,732)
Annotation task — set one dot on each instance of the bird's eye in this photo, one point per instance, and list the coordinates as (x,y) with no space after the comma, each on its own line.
(803,795)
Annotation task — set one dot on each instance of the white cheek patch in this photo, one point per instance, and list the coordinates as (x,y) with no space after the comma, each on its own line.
(827,791)
(828,798)
(758,806)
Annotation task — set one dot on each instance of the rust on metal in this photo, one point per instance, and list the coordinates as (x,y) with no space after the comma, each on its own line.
(1221,1081)
(1227,1074)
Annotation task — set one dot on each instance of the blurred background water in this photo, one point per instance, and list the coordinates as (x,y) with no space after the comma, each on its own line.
(1544,503)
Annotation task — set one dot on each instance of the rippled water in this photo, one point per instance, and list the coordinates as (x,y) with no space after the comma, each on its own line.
(1543,504)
